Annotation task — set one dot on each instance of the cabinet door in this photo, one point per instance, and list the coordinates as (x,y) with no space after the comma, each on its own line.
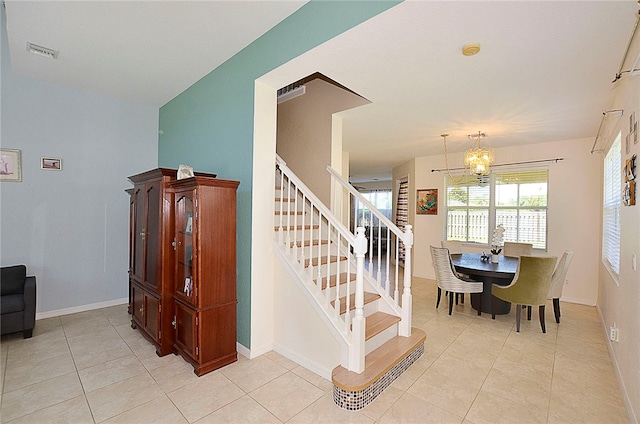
(152,316)
(185,255)
(137,304)
(186,321)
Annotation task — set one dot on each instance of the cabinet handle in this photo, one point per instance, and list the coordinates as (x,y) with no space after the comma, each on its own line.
(141,310)
(173,323)
(143,234)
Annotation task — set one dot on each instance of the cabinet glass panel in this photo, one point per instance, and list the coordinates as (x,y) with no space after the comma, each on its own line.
(152,234)
(185,286)
(138,235)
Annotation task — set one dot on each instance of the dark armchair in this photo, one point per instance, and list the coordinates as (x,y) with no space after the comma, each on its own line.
(18,297)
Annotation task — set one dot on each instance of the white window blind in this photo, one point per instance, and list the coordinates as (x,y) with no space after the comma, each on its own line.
(402,213)
(611,206)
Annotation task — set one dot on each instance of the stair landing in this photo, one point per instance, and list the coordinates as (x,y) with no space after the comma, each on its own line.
(353,391)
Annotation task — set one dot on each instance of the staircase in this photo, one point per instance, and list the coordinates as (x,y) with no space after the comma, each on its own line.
(368,314)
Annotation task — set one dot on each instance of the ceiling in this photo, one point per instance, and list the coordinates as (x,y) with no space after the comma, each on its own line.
(544,72)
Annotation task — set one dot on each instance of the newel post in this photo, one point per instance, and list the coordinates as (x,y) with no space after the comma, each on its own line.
(407,298)
(357,349)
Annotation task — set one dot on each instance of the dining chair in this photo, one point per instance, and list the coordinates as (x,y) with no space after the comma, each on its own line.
(530,286)
(517,249)
(557,283)
(449,280)
(454,246)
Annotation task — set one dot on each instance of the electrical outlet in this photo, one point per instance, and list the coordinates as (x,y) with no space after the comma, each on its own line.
(614,334)
(566,282)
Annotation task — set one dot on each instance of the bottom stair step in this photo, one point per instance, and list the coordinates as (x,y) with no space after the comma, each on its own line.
(354,391)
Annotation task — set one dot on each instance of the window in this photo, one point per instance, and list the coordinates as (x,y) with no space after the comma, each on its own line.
(515,199)
(467,209)
(381,199)
(611,206)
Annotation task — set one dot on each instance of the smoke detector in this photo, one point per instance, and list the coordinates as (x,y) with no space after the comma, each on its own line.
(42,51)
(471,49)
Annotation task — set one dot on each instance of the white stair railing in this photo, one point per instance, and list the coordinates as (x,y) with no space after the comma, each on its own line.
(384,265)
(324,252)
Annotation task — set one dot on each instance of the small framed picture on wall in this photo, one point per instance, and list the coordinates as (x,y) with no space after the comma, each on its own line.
(51,164)
(10,165)
(427,202)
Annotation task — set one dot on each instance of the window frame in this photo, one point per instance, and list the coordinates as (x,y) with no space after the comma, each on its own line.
(492,209)
(612,207)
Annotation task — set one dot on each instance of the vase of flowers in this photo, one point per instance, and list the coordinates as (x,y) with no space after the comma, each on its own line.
(496,243)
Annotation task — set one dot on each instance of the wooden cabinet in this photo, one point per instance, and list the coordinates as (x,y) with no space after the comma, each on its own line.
(204,241)
(151,257)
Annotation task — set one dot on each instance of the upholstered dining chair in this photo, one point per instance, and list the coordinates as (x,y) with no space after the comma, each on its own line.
(454,246)
(517,249)
(530,286)
(557,283)
(449,280)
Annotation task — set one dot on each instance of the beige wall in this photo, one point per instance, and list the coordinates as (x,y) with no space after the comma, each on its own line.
(619,298)
(305,129)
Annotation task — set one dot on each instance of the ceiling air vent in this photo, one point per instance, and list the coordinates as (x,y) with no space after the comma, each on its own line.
(290,91)
(42,51)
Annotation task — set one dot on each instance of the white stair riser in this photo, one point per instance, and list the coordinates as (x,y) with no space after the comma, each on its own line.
(380,339)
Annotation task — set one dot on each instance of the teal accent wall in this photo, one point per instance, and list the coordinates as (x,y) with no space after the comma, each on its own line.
(210,125)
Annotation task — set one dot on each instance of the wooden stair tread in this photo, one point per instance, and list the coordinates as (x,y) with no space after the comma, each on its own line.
(299,227)
(308,243)
(332,279)
(323,260)
(368,298)
(378,362)
(377,322)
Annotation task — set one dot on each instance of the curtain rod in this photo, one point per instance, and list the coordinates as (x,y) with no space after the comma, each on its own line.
(604,116)
(505,164)
(624,58)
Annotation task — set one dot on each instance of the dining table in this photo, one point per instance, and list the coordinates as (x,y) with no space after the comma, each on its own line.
(481,269)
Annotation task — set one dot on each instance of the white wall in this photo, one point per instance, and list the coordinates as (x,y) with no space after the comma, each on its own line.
(573,210)
(619,298)
(70,227)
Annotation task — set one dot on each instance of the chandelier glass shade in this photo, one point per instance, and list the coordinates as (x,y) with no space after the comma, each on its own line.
(479,159)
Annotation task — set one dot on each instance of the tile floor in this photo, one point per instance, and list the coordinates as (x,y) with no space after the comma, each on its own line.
(91,367)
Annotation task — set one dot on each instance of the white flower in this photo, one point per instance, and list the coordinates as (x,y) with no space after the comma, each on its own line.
(498,236)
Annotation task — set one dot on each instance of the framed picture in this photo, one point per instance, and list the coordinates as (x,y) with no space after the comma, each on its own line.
(52,164)
(10,165)
(632,122)
(627,141)
(635,133)
(427,202)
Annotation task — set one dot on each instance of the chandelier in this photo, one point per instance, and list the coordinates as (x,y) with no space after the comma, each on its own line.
(478,159)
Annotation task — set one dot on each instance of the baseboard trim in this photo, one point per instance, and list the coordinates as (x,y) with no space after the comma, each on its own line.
(81,308)
(623,390)
(304,362)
